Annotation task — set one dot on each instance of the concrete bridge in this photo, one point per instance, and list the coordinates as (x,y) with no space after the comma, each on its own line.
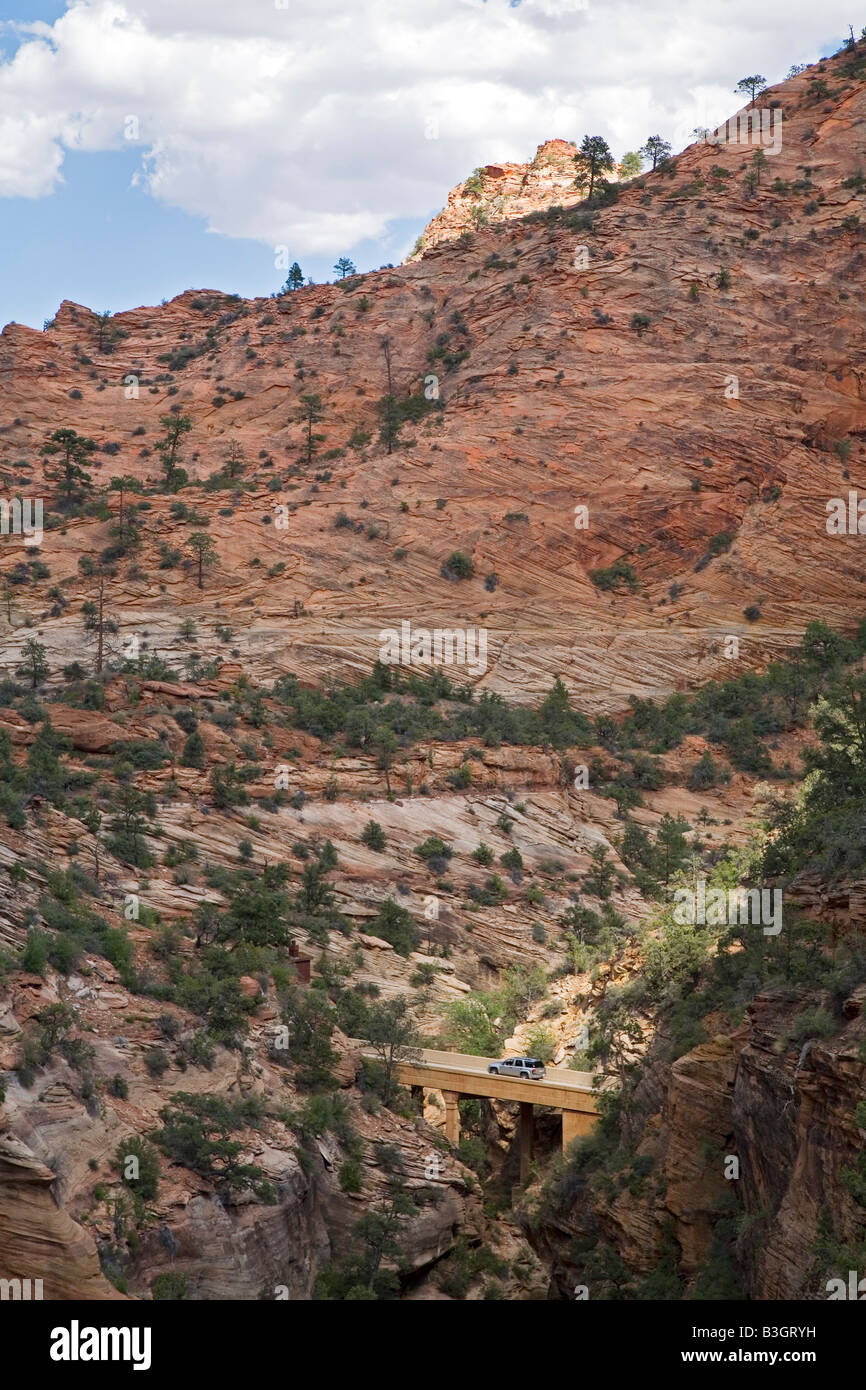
(458,1074)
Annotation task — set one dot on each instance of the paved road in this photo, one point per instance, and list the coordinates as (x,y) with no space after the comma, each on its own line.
(471,1066)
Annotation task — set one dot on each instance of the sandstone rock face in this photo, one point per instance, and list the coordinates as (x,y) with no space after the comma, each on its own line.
(498,192)
(784,1114)
(698,1118)
(58,1150)
(38,1238)
(554,397)
(794,1121)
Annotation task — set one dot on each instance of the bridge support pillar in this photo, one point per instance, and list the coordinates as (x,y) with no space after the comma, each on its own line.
(452,1116)
(575,1123)
(526,1135)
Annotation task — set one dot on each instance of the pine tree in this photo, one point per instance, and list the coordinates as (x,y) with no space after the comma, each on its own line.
(555,712)
(310,413)
(760,164)
(201,542)
(316,893)
(562,725)
(193,754)
(593,159)
(656,149)
(391,424)
(394,923)
(73,453)
(129,826)
(392,1032)
(750,85)
(294,280)
(92,818)
(122,485)
(106,333)
(167,448)
(373,836)
(33,665)
(45,775)
(672,848)
(386,746)
(98,622)
(600,875)
(235,459)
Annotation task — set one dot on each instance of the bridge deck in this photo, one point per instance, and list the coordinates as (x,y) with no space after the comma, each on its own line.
(467,1075)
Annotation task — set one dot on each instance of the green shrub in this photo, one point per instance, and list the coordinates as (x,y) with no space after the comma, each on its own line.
(457,566)
(434,848)
(621,572)
(540,1042)
(157,1061)
(195,1132)
(350,1176)
(373,836)
(172,1286)
(720,542)
(706,772)
(135,1155)
(461,777)
(193,754)
(395,924)
(34,957)
(813,1023)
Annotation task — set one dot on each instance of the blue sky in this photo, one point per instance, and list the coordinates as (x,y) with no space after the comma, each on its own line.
(100,242)
(327,128)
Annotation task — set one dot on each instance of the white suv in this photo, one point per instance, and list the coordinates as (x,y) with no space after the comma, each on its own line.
(527,1068)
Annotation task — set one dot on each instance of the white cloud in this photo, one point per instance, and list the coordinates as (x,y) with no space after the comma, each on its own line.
(305,125)
(30,157)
